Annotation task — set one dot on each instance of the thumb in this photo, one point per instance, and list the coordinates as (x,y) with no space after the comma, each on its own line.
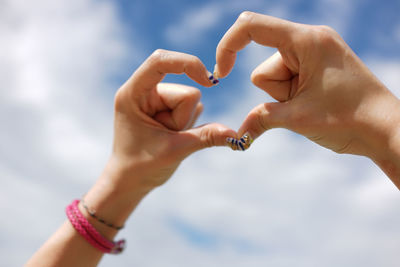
(264,117)
(207,135)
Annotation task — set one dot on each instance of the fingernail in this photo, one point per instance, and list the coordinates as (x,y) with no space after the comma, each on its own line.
(212,78)
(236,144)
(216,72)
(246,140)
(247,135)
(232,143)
(228,141)
(240,144)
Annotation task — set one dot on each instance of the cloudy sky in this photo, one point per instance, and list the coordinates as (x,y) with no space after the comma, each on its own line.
(284,202)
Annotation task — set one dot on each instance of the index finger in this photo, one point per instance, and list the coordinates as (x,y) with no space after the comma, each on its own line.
(162,62)
(249,26)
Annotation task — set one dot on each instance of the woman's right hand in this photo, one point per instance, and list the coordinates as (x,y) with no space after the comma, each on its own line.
(324,91)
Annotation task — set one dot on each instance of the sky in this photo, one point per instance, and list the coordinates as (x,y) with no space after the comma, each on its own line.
(284,202)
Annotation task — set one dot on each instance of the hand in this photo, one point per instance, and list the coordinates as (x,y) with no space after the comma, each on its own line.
(152,134)
(153,121)
(324,90)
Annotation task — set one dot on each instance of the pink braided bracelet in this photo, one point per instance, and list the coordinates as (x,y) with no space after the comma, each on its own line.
(82,225)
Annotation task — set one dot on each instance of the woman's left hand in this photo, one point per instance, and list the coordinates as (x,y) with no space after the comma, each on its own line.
(152,134)
(153,121)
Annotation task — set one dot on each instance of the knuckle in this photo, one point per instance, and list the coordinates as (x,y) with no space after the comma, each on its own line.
(118,100)
(191,62)
(159,52)
(256,78)
(206,138)
(325,35)
(327,29)
(298,120)
(200,108)
(196,94)
(195,60)
(192,95)
(261,122)
(260,117)
(245,17)
(158,55)
(345,148)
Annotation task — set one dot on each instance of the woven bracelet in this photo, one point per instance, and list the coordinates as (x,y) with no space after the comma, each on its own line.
(92,213)
(85,229)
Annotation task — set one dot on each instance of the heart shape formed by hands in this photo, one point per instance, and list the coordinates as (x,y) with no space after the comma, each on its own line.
(323,91)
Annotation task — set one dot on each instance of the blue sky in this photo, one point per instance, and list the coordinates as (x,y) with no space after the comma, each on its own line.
(368,27)
(284,202)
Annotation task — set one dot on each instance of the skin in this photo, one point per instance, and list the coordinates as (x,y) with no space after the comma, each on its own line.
(324,92)
(152,134)
(323,89)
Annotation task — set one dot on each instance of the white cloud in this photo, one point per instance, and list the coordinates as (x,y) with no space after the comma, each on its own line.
(193,24)
(396,34)
(285,202)
(335,13)
(192,27)
(57,61)
(388,72)
(290,202)
(59,58)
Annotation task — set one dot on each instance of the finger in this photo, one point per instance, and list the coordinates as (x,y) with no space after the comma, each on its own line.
(208,135)
(197,113)
(264,117)
(274,77)
(161,62)
(263,29)
(177,106)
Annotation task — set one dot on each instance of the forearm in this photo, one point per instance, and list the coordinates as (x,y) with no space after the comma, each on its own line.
(389,162)
(66,247)
(384,135)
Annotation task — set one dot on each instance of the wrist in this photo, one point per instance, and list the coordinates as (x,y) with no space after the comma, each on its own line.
(112,199)
(388,156)
(383,136)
